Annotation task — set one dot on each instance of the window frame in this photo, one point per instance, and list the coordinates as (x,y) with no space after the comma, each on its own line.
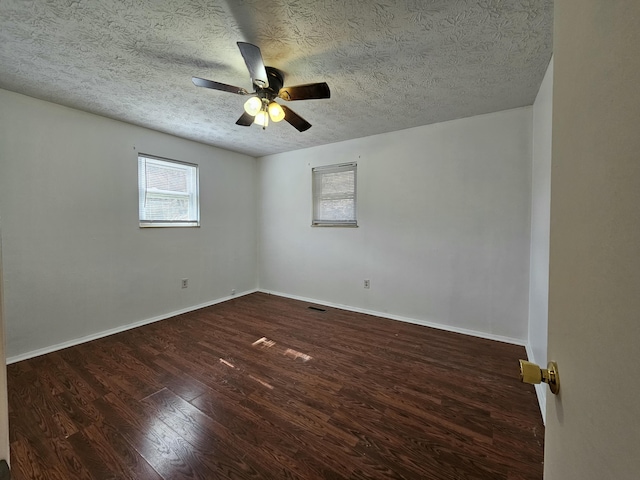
(193,193)
(316,196)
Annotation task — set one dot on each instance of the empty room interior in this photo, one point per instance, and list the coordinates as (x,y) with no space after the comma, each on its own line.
(337,280)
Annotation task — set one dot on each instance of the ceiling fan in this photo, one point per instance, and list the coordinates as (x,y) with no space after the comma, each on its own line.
(268,85)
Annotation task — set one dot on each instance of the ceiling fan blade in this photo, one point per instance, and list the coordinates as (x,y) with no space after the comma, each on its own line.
(255,65)
(296,120)
(202,82)
(309,91)
(245,120)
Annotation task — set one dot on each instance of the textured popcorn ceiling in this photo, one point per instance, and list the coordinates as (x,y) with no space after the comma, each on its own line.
(390,64)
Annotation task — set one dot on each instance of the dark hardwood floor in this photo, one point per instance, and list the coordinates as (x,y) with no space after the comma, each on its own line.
(264,387)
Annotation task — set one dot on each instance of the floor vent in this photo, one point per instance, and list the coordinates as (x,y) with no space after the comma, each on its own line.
(317,309)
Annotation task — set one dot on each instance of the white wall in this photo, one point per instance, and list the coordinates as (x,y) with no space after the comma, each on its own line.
(540,224)
(75,261)
(446,243)
(444,215)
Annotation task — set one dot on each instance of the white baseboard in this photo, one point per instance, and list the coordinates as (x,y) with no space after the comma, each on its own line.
(112,331)
(541,389)
(415,321)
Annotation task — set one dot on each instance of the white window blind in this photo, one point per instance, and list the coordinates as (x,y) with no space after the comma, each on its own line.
(168,193)
(334,195)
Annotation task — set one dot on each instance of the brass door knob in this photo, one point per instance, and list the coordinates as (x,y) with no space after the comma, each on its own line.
(533,374)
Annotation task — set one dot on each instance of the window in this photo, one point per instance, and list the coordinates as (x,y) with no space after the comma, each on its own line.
(334,196)
(167,193)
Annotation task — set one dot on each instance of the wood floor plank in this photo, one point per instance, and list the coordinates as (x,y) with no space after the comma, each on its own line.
(211,439)
(26,461)
(155,443)
(114,449)
(84,444)
(274,439)
(327,394)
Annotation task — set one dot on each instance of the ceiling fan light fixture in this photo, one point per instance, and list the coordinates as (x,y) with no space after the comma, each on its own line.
(253,106)
(262,118)
(276,112)
(268,85)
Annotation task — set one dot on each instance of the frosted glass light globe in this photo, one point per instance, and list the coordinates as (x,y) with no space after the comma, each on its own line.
(276,112)
(253,106)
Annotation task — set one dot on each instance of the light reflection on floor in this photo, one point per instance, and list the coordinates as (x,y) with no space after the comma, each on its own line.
(265,342)
(261,382)
(227,363)
(295,354)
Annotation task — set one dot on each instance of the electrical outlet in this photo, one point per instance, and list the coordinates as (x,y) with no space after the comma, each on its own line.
(367,284)
(233,291)
(185,282)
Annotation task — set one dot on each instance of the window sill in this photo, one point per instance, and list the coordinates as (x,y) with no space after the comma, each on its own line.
(168,225)
(339,225)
